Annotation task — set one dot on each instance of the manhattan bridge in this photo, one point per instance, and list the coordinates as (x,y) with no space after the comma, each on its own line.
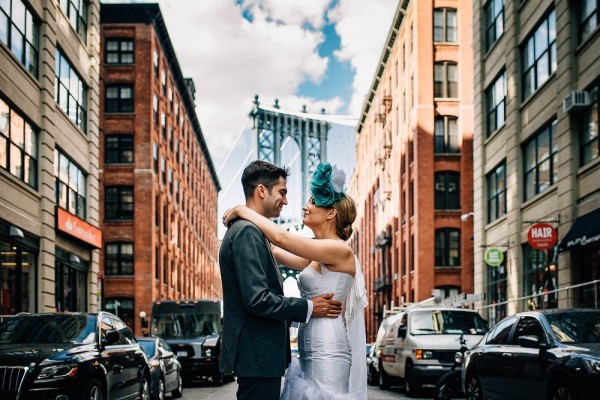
(298,140)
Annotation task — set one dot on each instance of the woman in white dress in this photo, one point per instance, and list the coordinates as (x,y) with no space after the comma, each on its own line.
(332,351)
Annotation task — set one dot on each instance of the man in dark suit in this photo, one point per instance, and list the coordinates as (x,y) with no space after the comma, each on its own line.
(255,344)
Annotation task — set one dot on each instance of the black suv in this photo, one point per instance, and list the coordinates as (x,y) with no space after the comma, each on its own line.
(70,356)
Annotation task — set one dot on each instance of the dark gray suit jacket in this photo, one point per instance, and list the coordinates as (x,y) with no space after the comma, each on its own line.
(255,330)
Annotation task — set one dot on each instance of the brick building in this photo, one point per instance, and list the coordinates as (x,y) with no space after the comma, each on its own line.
(49,218)
(158,183)
(536,151)
(413,176)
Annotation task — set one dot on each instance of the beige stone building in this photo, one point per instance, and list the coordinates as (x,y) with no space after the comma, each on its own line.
(49,70)
(536,152)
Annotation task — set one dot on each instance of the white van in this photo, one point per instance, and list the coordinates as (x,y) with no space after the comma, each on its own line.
(419,346)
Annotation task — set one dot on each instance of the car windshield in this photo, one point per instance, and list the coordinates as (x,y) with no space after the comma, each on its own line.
(439,322)
(57,328)
(185,326)
(576,326)
(148,346)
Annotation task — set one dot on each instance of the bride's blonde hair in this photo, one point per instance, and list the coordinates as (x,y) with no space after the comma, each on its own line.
(346,214)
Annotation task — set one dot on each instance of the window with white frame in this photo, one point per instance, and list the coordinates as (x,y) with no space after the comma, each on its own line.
(445,83)
(445,25)
(446,135)
(119,51)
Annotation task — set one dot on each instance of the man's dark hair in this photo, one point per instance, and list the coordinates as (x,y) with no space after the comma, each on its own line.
(261,173)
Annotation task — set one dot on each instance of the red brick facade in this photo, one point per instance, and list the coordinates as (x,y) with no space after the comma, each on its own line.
(174,232)
(395,177)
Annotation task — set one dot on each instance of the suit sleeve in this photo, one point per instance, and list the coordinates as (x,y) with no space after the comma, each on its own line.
(252,261)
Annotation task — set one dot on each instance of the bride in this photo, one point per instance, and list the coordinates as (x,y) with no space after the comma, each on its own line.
(332,351)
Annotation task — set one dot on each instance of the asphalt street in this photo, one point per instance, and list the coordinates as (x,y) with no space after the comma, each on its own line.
(227,392)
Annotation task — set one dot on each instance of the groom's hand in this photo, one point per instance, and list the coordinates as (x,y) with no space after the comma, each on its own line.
(325,307)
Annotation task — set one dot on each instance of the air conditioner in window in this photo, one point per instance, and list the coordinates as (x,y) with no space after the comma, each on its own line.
(576,100)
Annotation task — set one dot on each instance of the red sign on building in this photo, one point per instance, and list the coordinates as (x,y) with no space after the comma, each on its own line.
(542,236)
(78,228)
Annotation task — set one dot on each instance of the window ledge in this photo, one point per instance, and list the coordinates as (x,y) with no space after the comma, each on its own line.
(496,222)
(21,184)
(64,114)
(447,154)
(20,65)
(537,91)
(587,41)
(109,65)
(584,169)
(445,43)
(119,114)
(118,164)
(446,99)
(118,221)
(119,276)
(494,45)
(447,268)
(493,134)
(538,197)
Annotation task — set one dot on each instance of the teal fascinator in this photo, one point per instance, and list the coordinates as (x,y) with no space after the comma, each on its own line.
(327,184)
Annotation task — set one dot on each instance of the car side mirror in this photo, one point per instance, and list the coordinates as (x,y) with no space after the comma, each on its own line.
(402,332)
(112,336)
(529,341)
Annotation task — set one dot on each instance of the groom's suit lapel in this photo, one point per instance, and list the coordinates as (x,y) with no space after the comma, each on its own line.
(275,265)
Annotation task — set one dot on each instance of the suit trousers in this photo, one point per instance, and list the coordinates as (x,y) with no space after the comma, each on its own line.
(258,388)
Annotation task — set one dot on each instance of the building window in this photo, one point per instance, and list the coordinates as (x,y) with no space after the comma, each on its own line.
(155,108)
(163,124)
(17,276)
(494,21)
(163,169)
(119,99)
(590,140)
(155,157)
(496,291)
(539,277)
(163,81)
(119,203)
(122,307)
(176,191)
(18,146)
(496,186)
(541,167)
(119,149)
(444,25)
(70,185)
(447,247)
(496,104)
(76,11)
(155,62)
(119,51)
(70,92)
(19,31)
(118,259)
(589,16)
(446,135)
(171,180)
(445,80)
(70,283)
(539,55)
(447,190)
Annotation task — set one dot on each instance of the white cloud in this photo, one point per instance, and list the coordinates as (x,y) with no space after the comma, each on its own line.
(292,12)
(362,27)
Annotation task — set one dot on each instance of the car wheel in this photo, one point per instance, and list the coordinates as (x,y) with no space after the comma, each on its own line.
(448,386)
(473,387)
(218,378)
(177,393)
(371,376)
(411,384)
(160,395)
(94,391)
(384,378)
(145,389)
(562,389)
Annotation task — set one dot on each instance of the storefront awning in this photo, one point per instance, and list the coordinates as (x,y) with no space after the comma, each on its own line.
(584,232)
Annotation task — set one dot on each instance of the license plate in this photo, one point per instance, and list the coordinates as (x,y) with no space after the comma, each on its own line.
(182,353)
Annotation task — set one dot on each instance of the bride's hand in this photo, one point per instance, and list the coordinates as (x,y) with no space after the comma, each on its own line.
(231,214)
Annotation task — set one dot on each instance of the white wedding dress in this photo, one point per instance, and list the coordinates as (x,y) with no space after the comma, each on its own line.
(332,362)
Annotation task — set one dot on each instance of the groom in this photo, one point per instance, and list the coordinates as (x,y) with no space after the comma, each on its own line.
(255,343)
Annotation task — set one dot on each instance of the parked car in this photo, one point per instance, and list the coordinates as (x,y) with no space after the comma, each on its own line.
(551,354)
(165,369)
(421,344)
(71,356)
(372,365)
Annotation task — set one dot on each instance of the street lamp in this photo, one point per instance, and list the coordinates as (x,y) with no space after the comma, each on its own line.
(466,216)
(144,323)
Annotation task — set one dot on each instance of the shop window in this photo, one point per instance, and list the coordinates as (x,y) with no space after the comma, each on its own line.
(119,99)
(447,247)
(122,307)
(119,203)
(17,278)
(18,146)
(76,11)
(496,187)
(496,291)
(119,51)
(539,55)
(69,91)
(19,31)
(70,282)
(70,185)
(540,276)
(118,149)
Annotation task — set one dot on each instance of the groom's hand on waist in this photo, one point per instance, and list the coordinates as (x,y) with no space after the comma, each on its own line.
(325,307)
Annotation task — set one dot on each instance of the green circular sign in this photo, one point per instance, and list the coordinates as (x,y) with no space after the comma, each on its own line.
(493,257)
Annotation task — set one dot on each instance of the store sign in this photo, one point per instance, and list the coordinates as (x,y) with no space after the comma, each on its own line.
(78,228)
(542,236)
(493,257)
